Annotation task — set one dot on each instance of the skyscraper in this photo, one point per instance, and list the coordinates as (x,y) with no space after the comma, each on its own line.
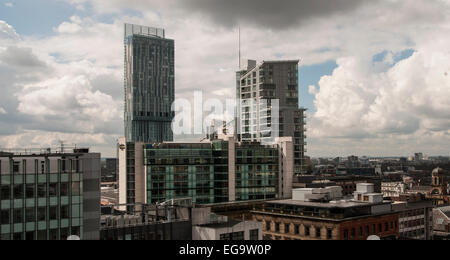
(257,86)
(149,84)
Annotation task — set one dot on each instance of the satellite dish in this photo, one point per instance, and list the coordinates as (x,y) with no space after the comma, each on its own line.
(374,238)
(73,238)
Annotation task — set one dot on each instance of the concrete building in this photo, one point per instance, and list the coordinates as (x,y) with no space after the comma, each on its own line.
(258,87)
(176,219)
(217,171)
(222,228)
(415,219)
(50,195)
(322,214)
(441,223)
(149,84)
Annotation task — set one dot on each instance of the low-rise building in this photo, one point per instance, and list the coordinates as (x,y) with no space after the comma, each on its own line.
(322,214)
(441,223)
(415,219)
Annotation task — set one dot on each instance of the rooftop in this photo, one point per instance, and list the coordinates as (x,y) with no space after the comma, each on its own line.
(333,204)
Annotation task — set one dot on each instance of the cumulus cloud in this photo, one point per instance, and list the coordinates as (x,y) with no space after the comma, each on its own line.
(407,103)
(362,101)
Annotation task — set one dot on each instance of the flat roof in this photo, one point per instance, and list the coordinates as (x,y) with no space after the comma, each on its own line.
(339,204)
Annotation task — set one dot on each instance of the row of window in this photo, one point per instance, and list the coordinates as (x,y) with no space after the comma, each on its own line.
(16,216)
(42,190)
(52,234)
(367,231)
(310,231)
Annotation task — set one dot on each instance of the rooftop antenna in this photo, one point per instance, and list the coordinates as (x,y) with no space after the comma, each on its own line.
(239,47)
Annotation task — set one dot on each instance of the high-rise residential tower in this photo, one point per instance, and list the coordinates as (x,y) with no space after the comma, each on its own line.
(149,84)
(258,87)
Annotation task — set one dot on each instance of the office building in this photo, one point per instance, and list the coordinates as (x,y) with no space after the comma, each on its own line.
(257,89)
(441,223)
(149,84)
(217,171)
(47,195)
(415,218)
(322,214)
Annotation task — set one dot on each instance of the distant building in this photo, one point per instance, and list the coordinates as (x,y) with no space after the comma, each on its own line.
(109,170)
(439,192)
(217,171)
(49,195)
(267,81)
(322,214)
(149,84)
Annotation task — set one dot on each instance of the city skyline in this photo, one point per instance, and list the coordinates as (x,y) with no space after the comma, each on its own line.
(63,78)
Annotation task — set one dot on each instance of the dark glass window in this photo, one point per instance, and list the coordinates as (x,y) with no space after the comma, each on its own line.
(30,215)
(42,214)
(42,190)
(64,212)
(254,234)
(64,189)
(53,189)
(18,216)
(18,191)
(5,192)
(5,217)
(53,212)
(30,191)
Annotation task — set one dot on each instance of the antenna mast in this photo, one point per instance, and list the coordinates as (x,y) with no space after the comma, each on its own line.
(239,47)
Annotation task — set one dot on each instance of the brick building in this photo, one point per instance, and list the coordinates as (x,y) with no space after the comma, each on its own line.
(321,214)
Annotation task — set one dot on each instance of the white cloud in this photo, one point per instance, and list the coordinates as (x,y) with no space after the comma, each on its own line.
(362,102)
(408,103)
(9,4)
(2,111)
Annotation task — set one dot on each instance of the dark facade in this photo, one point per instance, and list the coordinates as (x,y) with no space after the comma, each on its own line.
(50,196)
(149,84)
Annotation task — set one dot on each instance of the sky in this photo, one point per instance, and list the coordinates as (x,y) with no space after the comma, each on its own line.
(374,75)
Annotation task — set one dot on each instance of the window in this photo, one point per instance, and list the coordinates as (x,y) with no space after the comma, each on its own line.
(286,229)
(42,190)
(360,232)
(18,216)
(30,191)
(53,189)
(29,235)
(297,229)
(254,234)
(53,212)
(18,191)
(42,214)
(76,188)
(386,226)
(346,234)
(64,212)
(5,218)
(277,227)
(353,233)
(237,236)
(307,231)
(64,189)
(329,234)
(5,192)
(30,215)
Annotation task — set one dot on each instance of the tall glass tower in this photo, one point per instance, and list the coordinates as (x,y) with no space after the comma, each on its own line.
(149,84)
